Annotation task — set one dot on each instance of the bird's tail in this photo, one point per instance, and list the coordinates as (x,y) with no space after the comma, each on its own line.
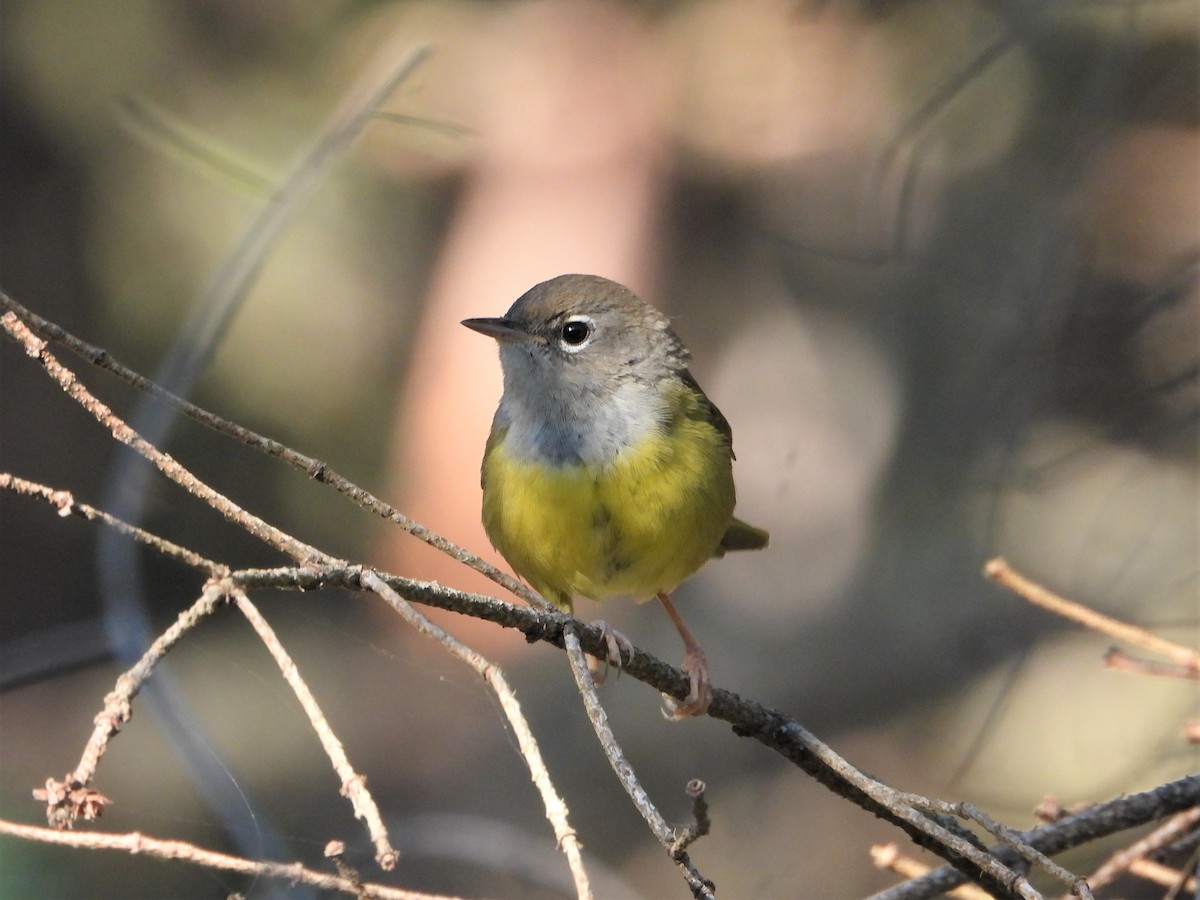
(742,536)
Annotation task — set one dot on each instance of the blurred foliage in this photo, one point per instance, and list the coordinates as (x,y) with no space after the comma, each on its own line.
(937,263)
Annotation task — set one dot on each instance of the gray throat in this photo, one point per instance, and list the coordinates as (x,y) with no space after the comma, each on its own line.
(589,430)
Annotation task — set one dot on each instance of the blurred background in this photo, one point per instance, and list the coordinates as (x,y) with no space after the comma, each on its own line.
(936,263)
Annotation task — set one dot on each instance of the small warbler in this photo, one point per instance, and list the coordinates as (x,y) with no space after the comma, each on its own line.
(607,472)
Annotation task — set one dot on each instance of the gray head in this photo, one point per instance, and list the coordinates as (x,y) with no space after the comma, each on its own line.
(584,359)
(584,333)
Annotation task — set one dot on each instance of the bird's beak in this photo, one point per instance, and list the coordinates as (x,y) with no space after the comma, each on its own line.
(503,329)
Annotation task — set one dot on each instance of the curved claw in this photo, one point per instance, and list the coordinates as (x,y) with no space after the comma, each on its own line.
(620,652)
(699,697)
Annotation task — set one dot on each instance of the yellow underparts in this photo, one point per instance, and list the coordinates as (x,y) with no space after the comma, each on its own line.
(638,526)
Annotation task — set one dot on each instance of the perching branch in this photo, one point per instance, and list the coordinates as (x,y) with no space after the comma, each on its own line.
(773,729)
(769,727)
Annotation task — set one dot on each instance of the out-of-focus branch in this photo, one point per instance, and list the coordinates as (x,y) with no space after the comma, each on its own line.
(1005,575)
(888,856)
(1120,661)
(1126,859)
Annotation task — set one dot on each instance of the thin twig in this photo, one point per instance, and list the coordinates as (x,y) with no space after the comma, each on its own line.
(1164,876)
(65,800)
(1073,830)
(281,540)
(67,505)
(1005,575)
(1155,840)
(1007,836)
(1120,661)
(354,785)
(555,806)
(700,824)
(141,845)
(888,856)
(905,807)
(699,885)
(314,468)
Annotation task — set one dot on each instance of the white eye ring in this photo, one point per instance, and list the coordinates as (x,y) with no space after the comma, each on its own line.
(572,338)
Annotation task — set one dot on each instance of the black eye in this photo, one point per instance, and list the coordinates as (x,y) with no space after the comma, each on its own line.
(576,332)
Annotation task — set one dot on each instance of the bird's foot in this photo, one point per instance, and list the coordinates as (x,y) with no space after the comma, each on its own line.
(695,666)
(620,652)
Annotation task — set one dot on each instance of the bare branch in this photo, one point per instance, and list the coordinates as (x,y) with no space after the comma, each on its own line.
(749,719)
(36,348)
(1005,575)
(556,808)
(1070,831)
(64,799)
(67,505)
(354,785)
(699,885)
(1120,661)
(141,845)
(1008,837)
(1125,859)
(314,468)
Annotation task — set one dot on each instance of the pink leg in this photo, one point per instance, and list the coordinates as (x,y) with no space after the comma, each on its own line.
(695,664)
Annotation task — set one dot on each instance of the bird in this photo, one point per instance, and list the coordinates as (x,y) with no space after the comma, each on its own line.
(608,472)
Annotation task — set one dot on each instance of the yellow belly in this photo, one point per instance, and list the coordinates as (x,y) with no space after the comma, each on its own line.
(636,527)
